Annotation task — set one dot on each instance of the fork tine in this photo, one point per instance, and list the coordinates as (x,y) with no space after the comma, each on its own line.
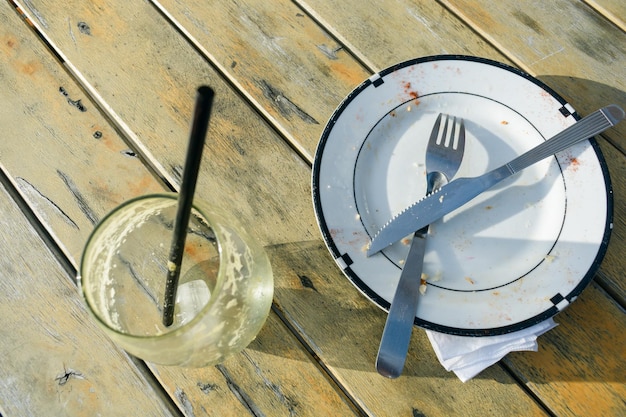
(444,135)
(451,140)
(434,134)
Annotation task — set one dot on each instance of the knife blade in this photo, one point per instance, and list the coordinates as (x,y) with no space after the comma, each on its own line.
(461,190)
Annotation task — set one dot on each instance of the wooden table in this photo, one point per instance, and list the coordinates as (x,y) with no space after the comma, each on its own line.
(96,99)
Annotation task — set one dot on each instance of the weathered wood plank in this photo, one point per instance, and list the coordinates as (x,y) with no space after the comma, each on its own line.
(272,199)
(385,36)
(578,52)
(55,360)
(344,328)
(572,379)
(269,378)
(278,55)
(73,167)
(613,10)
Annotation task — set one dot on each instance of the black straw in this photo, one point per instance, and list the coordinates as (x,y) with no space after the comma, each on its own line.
(202,113)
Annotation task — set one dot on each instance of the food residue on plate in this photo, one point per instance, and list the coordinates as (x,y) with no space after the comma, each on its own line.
(423,279)
(471,281)
(422,289)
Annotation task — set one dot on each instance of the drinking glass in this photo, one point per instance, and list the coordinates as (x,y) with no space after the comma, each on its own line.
(225,287)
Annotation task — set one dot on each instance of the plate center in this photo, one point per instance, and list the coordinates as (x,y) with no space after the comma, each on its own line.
(496,238)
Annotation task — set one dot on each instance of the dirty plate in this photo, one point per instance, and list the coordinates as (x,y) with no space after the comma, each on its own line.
(516,255)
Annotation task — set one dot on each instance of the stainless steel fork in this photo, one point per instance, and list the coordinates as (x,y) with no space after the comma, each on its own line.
(444,154)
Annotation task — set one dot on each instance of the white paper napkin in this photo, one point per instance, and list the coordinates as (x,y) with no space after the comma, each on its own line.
(468,356)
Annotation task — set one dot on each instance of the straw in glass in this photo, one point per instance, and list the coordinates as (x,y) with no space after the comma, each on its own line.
(202,113)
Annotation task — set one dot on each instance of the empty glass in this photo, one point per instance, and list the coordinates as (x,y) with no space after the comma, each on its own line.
(225,288)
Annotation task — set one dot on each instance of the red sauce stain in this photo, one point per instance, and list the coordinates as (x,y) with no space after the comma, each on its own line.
(410,91)
(358,240)
(574,163)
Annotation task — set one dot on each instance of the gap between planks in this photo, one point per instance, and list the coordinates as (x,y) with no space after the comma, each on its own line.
(125,132)
(62,255)
(241,91)
(132,140)
(617,21)
(236,87)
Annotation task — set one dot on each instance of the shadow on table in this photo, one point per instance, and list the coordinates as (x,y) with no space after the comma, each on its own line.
(342,328)
(339,326)
(586,96)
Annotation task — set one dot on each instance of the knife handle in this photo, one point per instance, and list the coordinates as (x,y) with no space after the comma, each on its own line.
(585,128)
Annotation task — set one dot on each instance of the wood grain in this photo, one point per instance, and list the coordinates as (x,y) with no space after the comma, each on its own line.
(277,54)
(73,167)
(565,42)
(583,378)
(272,198)
(612,10)
(142,74)
(55,360)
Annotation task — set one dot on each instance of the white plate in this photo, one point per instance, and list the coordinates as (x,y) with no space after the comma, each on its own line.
(516,255)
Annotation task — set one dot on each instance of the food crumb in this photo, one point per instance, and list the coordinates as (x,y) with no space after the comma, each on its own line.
(471,281)
(422,289)
(549,258)
(441,199)
(504,122)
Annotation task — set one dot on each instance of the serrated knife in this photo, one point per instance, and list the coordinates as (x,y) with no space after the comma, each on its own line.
(461,190)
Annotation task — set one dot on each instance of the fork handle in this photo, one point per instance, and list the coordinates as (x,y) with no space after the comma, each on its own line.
(394,343)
